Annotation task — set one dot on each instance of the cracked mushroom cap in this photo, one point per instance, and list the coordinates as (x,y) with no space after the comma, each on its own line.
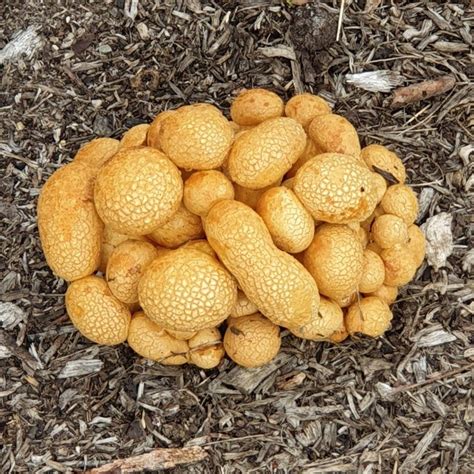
(182,227)
(304,107)
(347,300)
(265,153)
(323,324)
(373,272)
(370,316)
(400,265)
(250,197)
(335,259)
(380,186)
(334,134)
(290,224)
(151,341)
(187,290)
(385,160)
(254,106)
(125,267)
(336,188)
(389,230)
(252,341)
(135,136)
(309,152)
(138,190)
(243,306)
(202,245)
(206,349)
(196,137)
(417,244)
(153,134)
(386,293)
(401,201)
(96,313)
(97,152)
(204,188)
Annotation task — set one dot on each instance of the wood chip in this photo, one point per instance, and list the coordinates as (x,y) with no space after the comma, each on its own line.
(414,458)
(80,367)
(439,239)
(376,81)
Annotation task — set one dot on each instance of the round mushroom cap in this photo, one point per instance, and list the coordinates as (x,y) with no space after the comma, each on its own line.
(340,335)
(417,244)
(400,265)
(97,152)
(135,136)
(254,106)
(373,272)
(401,201)
(187,290)
(138,190)
(204,188)
(309,152)
(149,340)
(370,316)
(206,348)
(202,245)
(153,134)
(385,160)
(304,107)
(334,134)
(252,341)
(96,313)
(125,267)
(196,137)
(250,197)
(386,293)
(181,335)
(335,259)
(182,227)
(243,306)
(389,230)
(380,186)
(323,324)
(336,188)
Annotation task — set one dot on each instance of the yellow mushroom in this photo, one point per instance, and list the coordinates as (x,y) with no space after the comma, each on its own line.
(417,244)
(254,106)
(385,160)
(401,201)
(370,316)
(250,197)
(153,134)
(200,244)
(347,300)
(97,152)
(380,186)
(181,335)
(340,334)
(252,341)
(373,272)
(304,107)
(206,349)
(389,230)
(310,151)
(136,136)
(243,306)
(400,265)
(386,293)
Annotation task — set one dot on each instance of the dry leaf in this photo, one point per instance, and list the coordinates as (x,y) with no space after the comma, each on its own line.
(439,239)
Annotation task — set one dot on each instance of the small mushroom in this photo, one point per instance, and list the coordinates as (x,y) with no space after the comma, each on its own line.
(373,272)
(206,349)
(97,152)
(386,293)
(304,107)
(417,244)
(200,244)
(243,306)
(370,316)
(136,136)
(254,106)
(153,135)
(380,186)
(377,156)
(401,201)
(400,265)
(389,230)
(181,335)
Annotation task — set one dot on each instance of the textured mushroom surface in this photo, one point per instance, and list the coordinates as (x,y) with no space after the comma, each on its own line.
(252,341)
(385,160)
(370,316)
(202,245)
(96,313)
(138,190)
(340,334)
(276,282)
(151,341)
(304,107)
(70,229)
(204,188)
(153,134)
(389,230)
(335,259)
(400,265)
(181,335)
(97,152)
(334,134)
(182,227)
(196,137)
(243,306)
(254,106)
(187,290)
(380,186)
(136,136)
(290,224)
(206,349)
(266,152)
(126,266)
(417,244)
(373,272)
(250,197)
(336,188)
(309,152)
(401,201)
(386,293)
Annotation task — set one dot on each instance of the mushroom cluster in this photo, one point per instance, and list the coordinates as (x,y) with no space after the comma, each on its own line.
(196,236)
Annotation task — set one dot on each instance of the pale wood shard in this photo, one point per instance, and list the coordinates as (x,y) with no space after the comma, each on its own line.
(160,458)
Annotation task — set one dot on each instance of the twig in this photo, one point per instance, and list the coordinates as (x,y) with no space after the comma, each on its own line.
(160,458)
(422,90)
(18,351)
(339,22)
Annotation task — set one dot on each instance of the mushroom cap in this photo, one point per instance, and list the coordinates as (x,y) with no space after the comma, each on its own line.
(206,348)
(290,224)
(125,267)
(363,236)
(187,290)
(347,300)
(335,259)
(182,227)
(243,306)
(96,313)
(370,316)
(181,335)
(153,135)
(389,230)
(400,265)
(340,335)
(196,137)
(135,136)
(97,152)
(265,153)
(204,188)
(252,341)
(202,245)
(151,341)
(417,244)
(401,201)
(373,272)
(304,107)
(138,190)
(336,188)
(254,106)
(386,293)
(384,159)
(323,324)
(250,197)
(309,152)
(70,229)
(380,186)
(334,134)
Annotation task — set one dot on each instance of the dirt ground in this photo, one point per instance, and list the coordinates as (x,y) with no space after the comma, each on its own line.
(402,403)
